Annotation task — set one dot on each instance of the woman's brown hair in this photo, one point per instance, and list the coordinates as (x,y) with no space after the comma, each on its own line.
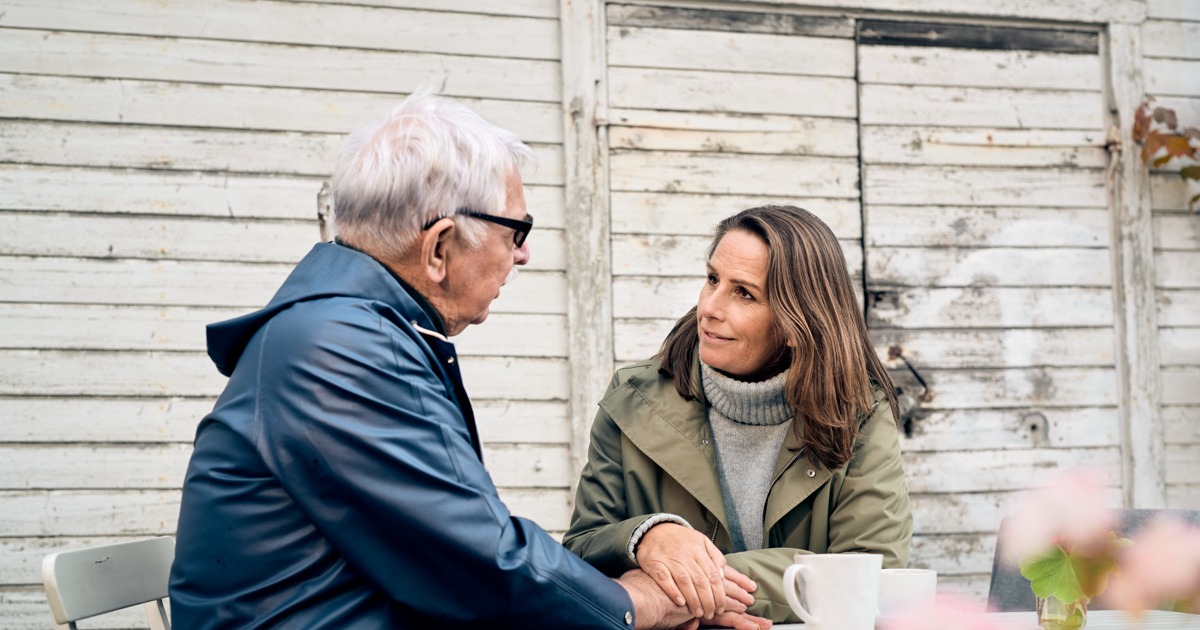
(832,364)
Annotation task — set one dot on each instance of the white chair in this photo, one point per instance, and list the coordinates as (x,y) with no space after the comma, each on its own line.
(88,582)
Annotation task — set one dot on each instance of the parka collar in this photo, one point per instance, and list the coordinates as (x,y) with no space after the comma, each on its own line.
(660,417)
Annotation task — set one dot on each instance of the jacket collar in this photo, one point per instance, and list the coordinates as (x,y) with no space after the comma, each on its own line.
(661,417)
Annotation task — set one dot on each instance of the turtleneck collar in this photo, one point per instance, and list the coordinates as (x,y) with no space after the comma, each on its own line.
(761,403)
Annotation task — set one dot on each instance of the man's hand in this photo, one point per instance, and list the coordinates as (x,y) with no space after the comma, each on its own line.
(686,566)
(652,608)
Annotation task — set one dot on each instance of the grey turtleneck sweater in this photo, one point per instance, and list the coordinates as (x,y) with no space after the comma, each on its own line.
(749,424)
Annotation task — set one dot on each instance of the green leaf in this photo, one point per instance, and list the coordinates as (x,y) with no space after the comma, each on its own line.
(1053,574)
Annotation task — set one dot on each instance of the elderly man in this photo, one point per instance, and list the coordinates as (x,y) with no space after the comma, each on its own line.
(338,482)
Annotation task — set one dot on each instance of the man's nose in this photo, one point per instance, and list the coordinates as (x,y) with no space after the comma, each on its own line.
(521,254)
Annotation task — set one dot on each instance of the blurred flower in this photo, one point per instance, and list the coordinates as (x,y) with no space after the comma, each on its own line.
(948,611)
(1161,570)
(1062,538)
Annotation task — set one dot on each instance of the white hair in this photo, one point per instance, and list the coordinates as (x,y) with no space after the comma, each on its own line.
(428,158)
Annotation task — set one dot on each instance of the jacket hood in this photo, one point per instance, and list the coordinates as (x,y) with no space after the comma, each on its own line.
(329,270)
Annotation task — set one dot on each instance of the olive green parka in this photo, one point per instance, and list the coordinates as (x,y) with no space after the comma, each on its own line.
(652,452)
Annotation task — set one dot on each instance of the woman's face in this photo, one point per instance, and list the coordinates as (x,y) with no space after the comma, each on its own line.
(738,335)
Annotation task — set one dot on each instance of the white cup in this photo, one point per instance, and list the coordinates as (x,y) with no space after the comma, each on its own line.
(834,591)
(906,589)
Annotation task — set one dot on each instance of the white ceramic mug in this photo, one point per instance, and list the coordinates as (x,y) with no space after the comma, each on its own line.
(834,591)
(906,589)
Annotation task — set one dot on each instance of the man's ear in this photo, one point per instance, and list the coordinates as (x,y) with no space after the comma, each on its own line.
(436,243)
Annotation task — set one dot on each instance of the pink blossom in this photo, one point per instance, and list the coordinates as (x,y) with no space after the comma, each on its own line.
(1161,567)
(948,611)
(1070,512)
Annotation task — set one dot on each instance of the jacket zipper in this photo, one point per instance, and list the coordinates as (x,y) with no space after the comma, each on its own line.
(713,536)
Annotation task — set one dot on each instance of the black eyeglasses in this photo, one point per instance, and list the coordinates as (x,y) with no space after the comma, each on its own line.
(520,228)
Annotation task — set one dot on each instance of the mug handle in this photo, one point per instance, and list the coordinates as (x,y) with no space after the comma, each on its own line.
(789,589)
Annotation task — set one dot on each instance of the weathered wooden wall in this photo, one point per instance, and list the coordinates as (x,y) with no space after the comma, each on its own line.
(159,165)
(160,159)
(1171,43)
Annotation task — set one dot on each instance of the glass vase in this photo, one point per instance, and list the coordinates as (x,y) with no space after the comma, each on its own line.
(1055,614)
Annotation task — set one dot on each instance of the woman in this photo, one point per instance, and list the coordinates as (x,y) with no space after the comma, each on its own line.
(764,427)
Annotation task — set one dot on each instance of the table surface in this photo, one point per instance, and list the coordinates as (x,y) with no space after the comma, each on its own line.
(1097,620)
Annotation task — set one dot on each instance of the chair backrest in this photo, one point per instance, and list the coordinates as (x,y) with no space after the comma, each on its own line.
(87,582)
(1010,591)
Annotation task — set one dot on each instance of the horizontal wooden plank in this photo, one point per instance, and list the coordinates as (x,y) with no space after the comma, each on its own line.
(516,335)
(1168,192)
(531,8)
(89,513)
(955,554)
(1179,346)
(129,101)
(991,307)
(1180,385)
(658,255)
(130,467)
(959,67)
(977,512)
(202,283)
(550,508)
(298,23)
(969,226)
(1183,463)
(134,420)
(669,131)
(980,107)
(717,173)
(976,36)
(1020,387)
(1172,77)
(1173,9)
(1017,428)
(698,214)
(155,238)
(26,608)
(1176,232)
(95,327)
(53,188)
(988,267)
(1005,347)
(969,589)
(1181,424)
(131,420)
(1177,269)
(28,51)
(158,148)
(983,147)
(750,93)
(641,297)
(1183,496)
(725,51)
(87,373)
(165,193)
(731,21)
(1006,187)
(80,327)
(1178,307)
(22,558)
(637,339)
(991,471)
(1162,38)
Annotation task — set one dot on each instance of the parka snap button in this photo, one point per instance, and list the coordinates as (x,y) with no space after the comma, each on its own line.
(704,442)
(628,618)
(812,473)
(450,360)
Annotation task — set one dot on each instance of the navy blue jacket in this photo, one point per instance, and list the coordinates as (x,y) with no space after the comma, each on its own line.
(337,482)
